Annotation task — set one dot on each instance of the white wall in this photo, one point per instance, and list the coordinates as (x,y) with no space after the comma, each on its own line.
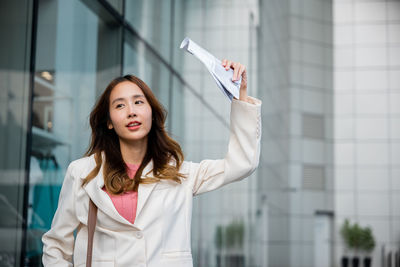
(367,121)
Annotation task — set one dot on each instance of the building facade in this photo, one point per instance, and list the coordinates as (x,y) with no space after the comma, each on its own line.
(326,72)
(366,121)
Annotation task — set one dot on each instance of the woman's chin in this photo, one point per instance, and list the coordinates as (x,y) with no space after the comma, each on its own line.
(133,139)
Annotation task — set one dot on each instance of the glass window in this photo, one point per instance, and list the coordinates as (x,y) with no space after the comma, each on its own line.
(176,111)
(117,4)
(79,48)
(152,20)
(140,61)
(15,32)
(178,23)
(78,53)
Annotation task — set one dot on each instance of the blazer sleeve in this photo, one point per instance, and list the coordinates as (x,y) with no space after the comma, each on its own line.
(243,153)
(58,242)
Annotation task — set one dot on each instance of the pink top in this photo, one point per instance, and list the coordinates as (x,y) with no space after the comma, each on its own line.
(126,203)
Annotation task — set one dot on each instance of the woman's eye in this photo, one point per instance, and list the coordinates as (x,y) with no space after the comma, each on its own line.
(139,102)
(119,105)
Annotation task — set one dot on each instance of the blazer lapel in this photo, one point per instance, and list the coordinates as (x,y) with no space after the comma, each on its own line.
(103,201)
(145,190)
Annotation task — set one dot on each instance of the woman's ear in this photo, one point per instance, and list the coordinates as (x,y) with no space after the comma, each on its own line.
(109,125)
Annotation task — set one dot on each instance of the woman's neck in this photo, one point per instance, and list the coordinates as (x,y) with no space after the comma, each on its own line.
(133,152)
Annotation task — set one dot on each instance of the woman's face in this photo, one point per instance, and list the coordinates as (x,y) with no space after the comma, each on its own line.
(130,112)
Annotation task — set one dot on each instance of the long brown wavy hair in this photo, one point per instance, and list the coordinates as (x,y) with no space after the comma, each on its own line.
(165,152)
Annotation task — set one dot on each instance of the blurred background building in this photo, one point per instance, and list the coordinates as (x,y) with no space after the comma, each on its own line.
(326,71)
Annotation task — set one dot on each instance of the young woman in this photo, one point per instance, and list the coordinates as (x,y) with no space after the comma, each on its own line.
(135,174)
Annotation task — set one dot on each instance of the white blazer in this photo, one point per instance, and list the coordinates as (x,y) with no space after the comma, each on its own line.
(160,236)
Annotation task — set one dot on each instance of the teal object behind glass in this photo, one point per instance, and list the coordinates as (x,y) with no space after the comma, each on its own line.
(46,194)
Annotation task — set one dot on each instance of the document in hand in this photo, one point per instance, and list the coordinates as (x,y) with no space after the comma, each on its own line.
(222,77)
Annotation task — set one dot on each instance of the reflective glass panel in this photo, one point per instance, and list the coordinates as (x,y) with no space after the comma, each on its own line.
(140,61)
(15,33)
(152,20)
(77,55)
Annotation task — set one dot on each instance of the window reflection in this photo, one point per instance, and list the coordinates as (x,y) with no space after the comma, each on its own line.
(77,54)
(139,60)
(15,25)
(152,20)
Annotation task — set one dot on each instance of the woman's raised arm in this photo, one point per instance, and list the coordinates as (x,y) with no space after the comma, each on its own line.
(243,153)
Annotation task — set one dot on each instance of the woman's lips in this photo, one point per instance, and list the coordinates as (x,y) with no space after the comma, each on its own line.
(135,127)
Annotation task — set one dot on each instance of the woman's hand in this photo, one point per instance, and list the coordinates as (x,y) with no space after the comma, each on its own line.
(238,70)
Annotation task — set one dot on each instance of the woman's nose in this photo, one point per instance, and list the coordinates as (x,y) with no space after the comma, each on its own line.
(131,112)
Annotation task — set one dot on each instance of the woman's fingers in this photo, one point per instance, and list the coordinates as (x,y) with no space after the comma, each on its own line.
(224,62)
(238,69)
(242,71)
(228,64)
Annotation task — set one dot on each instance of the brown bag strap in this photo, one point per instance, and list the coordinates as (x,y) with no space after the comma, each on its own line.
(92,217)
